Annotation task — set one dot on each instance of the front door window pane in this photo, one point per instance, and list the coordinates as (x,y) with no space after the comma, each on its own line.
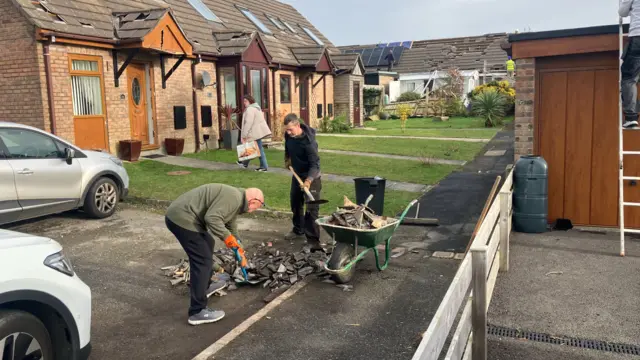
(256,87)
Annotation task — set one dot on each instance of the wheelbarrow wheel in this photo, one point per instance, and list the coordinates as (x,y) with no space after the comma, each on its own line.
(341,256)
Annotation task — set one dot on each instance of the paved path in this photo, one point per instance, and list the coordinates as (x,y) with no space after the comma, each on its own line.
(568,284)
(210,165)
(388,156)
(473,140)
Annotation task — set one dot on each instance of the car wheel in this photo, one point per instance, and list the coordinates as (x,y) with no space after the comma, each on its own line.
(101,199)
(23,337)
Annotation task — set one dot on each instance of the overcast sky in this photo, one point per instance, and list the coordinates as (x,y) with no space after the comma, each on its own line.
(350,22)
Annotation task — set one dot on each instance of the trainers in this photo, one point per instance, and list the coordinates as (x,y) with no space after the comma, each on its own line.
(215,287)
(241,164)
(206,316)
(292,235)
(630,124)
(261,169)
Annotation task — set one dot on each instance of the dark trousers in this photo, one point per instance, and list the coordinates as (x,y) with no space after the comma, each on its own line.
(199,249)
(305,222)
(630,73)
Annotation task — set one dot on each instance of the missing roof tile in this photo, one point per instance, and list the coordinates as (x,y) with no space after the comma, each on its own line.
(86,24)
(142,16)
(40,6)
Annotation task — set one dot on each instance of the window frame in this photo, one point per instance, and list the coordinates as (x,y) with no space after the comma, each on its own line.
(287,76)
(262,27)
(312,35)
(215,17)
(99,73)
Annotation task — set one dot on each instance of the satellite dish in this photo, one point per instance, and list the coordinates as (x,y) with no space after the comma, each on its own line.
(206,79)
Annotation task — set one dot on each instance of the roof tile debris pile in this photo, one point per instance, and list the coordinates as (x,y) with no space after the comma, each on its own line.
(268,267)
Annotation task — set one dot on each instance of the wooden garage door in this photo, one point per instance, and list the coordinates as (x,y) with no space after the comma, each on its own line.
(577,117)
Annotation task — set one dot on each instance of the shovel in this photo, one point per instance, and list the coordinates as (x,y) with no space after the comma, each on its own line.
(310,200)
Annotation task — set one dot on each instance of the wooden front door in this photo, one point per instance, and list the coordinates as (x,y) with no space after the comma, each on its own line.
(577,113)
(138,103)
(304,99)
(356,104)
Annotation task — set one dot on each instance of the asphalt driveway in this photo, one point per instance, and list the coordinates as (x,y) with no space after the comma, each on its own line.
(136,313)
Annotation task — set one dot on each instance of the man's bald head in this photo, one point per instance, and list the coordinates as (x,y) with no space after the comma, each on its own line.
(255,198)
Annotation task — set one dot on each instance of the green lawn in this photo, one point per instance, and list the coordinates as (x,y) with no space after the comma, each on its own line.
(428,123)
(453,150)
(398,170)
(444,133)
(149,179)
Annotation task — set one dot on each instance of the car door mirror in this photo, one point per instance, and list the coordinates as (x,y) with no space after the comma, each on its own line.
(69,154)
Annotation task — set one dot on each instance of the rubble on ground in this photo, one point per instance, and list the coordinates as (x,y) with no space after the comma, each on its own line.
(267,266)
(358,217)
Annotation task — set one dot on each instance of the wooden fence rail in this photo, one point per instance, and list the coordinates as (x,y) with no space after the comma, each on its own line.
(472,286)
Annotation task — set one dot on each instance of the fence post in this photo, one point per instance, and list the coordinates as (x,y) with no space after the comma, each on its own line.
(504,229)
(479,308)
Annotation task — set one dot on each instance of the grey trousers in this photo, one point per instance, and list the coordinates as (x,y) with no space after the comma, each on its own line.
(630,73)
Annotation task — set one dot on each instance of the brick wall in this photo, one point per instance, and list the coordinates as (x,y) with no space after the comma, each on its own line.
(525,95)
(178,93)
(21,79)
(208,97)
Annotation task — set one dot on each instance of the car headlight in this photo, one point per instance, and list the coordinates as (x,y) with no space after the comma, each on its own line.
(59,262)
(116,161)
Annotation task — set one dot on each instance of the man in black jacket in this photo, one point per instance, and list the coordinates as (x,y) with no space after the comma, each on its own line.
(301,153)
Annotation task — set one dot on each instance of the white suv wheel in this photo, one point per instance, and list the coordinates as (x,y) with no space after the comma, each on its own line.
(20,346)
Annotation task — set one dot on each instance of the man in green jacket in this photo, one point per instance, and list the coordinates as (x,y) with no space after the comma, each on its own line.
(194,218)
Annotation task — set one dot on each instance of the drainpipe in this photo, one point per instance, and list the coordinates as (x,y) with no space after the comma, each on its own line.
(196,120)
(47,71)
(275,110)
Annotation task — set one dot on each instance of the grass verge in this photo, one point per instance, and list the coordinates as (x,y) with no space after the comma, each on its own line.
(360,166)
(439,149)
(149,179)
(443,133)
(428,123)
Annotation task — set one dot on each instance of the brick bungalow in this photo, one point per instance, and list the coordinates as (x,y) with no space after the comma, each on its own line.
(97,73)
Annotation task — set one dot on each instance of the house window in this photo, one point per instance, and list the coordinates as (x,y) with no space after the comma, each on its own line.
(285,89)
(319,110)
(204,10)
(86,85)
(312,35)
(255,21)
(289,27)
(276,22)
(330,110)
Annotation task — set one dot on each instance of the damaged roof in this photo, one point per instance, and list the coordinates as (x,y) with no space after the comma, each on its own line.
(347,62)
(225,35)
(464,53)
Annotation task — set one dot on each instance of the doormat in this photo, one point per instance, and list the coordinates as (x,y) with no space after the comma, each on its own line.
(564,340)
(154,156)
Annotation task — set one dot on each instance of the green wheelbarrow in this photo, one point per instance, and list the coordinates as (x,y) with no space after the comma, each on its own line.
(342,263)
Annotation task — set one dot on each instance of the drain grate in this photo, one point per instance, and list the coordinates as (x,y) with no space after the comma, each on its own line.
(563,340)
(154,156)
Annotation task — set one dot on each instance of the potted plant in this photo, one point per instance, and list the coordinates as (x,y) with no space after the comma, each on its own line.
(174,146)
(129,150)
(230,135)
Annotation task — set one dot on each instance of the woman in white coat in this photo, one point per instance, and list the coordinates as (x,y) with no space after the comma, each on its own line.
(254,128)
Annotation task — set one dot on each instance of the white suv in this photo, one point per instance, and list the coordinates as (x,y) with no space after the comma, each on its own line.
(45,309)
(41,174)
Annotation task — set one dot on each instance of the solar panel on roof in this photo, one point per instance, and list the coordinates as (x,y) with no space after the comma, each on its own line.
(397,53)
(375,56)
(358,51)
(382,45)
(407,44)
(366,54)
(393,44)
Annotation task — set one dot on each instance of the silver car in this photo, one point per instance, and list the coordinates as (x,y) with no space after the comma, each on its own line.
(41,174)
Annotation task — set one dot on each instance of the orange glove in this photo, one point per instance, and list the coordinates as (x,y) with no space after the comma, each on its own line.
(232,243)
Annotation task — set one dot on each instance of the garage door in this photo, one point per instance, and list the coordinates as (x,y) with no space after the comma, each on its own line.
(577,134)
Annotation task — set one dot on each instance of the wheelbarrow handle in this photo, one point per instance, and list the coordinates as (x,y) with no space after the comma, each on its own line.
(406,210)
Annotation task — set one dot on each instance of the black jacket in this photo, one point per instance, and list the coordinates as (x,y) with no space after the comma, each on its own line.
(302,151)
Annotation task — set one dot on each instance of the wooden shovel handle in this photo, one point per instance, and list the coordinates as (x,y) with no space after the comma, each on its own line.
(301,184)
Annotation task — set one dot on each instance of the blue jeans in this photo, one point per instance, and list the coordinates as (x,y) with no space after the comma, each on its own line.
(263,156)
(630,72)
